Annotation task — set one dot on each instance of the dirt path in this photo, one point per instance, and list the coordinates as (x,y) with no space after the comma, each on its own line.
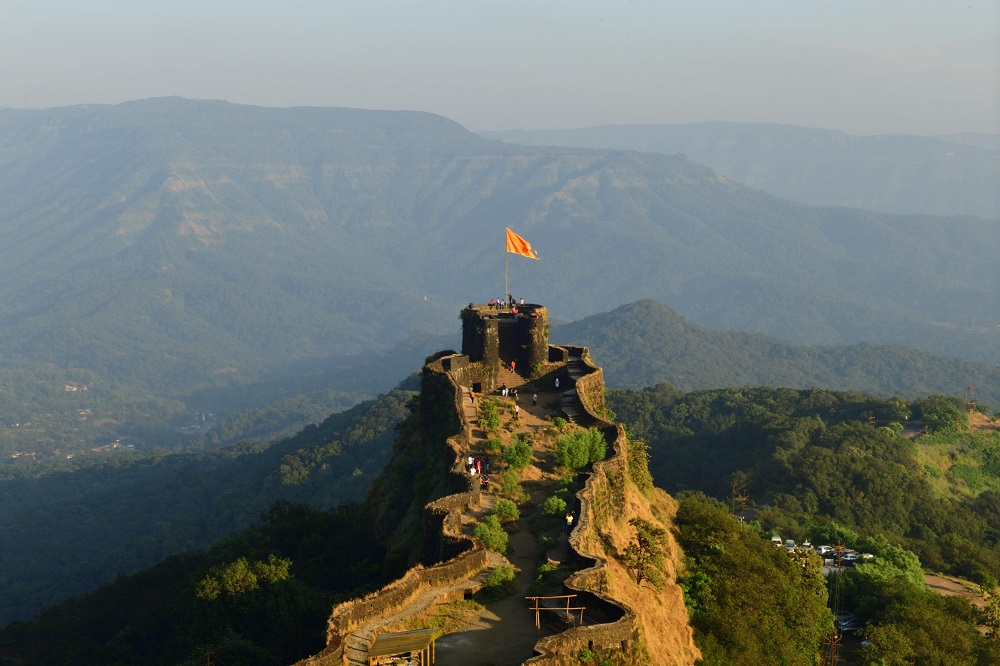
(950,588)
(504,633)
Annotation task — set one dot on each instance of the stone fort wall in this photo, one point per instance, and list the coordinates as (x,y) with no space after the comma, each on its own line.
(443,377)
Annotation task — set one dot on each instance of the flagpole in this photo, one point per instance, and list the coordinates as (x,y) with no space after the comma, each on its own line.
(506,269)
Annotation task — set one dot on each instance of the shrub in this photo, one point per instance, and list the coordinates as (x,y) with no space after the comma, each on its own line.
(492,534)
(510,486)
(545,579)
(554,506)
(576,450)
(546,542)
(489,414)
(505,510)
(559,422)
(493,445)
(518,455)
(498,584)
(500,576)
(638,464)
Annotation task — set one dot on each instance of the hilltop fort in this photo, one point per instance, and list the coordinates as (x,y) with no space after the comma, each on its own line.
(428,502)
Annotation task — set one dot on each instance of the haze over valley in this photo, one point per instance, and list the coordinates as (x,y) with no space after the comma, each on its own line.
(233,245)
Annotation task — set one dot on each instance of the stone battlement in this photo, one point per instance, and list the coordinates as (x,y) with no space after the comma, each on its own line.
(490,338)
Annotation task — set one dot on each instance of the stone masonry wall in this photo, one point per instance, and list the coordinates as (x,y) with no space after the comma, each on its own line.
(601,495)
(443,516)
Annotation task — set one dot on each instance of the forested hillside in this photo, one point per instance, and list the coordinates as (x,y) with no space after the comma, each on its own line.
(259,597)
(950,175)
(826,465)
(841,469)
(65,533)
(646,343)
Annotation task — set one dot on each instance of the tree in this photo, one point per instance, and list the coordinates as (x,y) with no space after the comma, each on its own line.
(576,450)
(644,556)
(992,615)
(518,455)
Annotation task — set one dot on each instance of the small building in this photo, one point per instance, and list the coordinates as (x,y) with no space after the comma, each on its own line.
(414,648)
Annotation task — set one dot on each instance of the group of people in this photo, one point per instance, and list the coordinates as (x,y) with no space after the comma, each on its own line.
(480,466)
(504,303)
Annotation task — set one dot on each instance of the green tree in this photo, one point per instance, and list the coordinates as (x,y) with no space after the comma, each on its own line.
(991,615)
(750,603)
(644,556)
(492,534)
(579,449)
(518,455)
(505,510)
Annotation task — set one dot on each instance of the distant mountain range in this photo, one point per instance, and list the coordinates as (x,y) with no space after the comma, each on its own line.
(169,245)
(644,343)
(949,175)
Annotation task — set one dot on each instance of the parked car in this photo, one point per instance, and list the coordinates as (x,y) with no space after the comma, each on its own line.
(848,622)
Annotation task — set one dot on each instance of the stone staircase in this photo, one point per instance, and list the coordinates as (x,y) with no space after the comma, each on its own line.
(509,347)
(511,379)
(356,643)
(569,403)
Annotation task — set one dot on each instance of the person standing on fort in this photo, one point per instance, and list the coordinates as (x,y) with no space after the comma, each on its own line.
(517,411)
(472,397)
(569,523)
(557,383)
(513,363)
(534,399)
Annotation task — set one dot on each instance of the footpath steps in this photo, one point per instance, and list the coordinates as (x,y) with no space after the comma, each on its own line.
(569,402)
(509,346)
(356,644)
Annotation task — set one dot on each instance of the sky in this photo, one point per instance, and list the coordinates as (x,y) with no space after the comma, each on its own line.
(863,67)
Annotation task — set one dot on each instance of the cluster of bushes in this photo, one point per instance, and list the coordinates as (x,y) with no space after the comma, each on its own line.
(492,533)
(576,450)
(518,453)
(490,416)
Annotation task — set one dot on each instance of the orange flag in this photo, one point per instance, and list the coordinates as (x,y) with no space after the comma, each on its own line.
(518,245)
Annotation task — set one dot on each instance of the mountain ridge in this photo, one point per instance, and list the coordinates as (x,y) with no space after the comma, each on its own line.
(170,246)
(647,343)
(894,173)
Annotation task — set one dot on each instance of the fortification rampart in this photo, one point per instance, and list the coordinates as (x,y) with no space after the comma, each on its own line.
(466,555)
(602,495)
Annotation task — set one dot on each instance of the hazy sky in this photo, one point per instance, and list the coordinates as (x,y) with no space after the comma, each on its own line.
(865,67)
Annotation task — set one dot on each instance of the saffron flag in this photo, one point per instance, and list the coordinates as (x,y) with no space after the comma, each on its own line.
(518,245)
